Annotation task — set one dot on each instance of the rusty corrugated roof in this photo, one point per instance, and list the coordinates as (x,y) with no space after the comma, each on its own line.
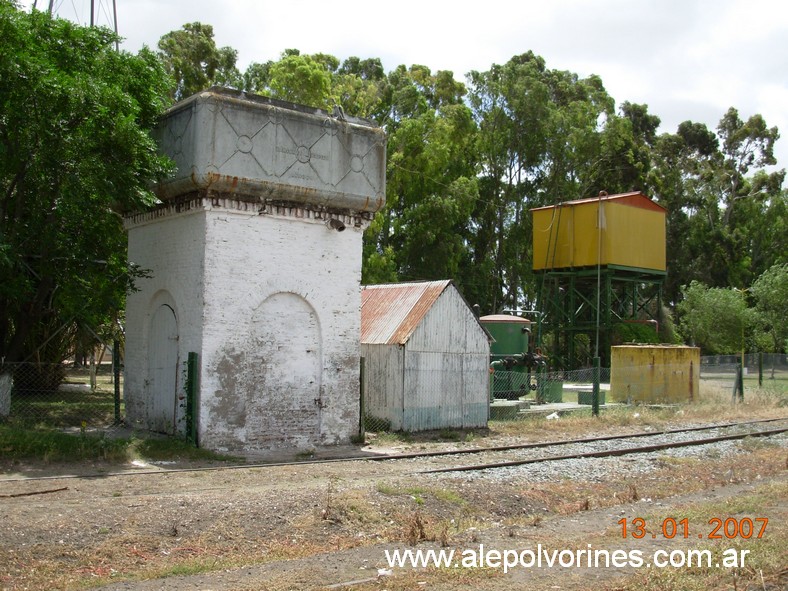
(391,312)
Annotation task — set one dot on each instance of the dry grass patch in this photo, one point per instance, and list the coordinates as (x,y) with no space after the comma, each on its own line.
(764,567)
(712,405)
(445,579)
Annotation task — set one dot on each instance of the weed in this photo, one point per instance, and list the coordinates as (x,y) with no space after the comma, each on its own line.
(449,435)
(50,445)
(443,535)
(415,530)
(449,496)
(325,514)
(173,449)
(305,455)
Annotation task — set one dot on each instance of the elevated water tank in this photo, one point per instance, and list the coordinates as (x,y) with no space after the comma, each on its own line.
(626,231)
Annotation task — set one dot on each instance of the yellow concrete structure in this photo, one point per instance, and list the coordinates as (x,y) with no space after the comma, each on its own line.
(632,226)
(651,374)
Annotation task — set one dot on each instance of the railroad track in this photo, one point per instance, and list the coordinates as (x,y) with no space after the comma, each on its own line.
(478,451)
(619,451)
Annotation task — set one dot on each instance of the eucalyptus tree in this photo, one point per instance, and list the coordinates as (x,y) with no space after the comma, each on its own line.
(770,292)
(74,151)
(542,140)
(677,160)
(431,179)
(725,207)
(700,311)
(194,62)
(320,80)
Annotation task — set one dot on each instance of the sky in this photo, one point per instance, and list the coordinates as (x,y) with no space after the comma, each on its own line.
(685,59)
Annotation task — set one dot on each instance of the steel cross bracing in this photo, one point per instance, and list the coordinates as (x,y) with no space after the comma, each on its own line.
(569,300)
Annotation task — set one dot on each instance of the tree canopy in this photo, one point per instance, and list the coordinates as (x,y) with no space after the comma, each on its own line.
(74,151)
(467,160)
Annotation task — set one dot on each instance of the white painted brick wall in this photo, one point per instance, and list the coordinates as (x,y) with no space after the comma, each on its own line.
(172,248)
(272,306)
(249,259)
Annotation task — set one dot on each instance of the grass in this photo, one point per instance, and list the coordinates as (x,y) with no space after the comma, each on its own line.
(48,445)
(384,513)
(418,492)
(713,404)
(18,443)
(764,565)
(35,431)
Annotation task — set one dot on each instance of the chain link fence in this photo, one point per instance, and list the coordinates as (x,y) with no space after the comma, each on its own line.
(61,396)
(438,399)
(66,397)
(761,366)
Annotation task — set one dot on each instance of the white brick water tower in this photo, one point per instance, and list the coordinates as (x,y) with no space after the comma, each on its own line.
(255,263)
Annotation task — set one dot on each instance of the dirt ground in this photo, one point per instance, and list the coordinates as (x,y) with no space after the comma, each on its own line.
(318,526)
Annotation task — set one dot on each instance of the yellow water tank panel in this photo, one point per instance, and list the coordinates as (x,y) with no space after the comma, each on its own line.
(651,374)
(629,228)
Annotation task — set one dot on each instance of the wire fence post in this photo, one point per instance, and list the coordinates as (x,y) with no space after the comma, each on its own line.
(595,391)
(760,369)
(362,407)
(116,378)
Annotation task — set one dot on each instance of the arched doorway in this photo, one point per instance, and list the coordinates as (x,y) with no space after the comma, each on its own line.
(162,380)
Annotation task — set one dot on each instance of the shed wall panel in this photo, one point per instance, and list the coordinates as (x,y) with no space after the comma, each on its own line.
(444,390)
(383,385)
(451,327)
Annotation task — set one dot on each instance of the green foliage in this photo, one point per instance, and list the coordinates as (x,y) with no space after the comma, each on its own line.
(357,86)
(634,332)
(191,58)
(47,445)
(726,213)
(50,445)
(301,79)
(431,180)
(770,291)
(74,151)
(715,319)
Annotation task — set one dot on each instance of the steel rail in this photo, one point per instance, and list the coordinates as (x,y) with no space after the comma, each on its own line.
(607,453)
(404,456)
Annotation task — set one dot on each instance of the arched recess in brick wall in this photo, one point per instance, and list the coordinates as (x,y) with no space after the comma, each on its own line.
(285,407)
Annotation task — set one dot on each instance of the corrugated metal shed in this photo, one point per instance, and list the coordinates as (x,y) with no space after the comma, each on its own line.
(391,312)
(426,358)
